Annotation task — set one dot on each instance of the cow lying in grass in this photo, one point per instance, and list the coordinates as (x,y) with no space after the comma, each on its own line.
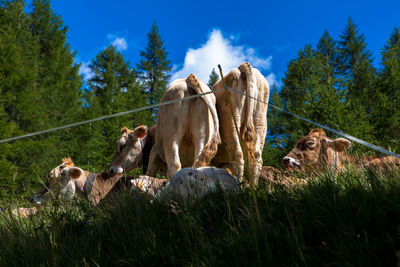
(148,185)
(24,212)
(188,183)
(68,180)
(316,152)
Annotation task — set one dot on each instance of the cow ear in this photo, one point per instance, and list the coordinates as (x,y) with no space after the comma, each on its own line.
(339,144)
(74,172)
(140,131)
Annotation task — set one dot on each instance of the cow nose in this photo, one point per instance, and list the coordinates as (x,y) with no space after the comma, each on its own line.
(286,160)
(111,171)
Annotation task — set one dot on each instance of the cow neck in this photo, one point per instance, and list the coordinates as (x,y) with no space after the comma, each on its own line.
(88,186)
(335,160)
(101,187)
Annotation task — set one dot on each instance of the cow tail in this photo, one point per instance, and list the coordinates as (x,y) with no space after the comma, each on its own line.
(210,149)
(247,129)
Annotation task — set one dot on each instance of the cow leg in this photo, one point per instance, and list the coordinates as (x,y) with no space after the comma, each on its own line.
(172,158)
(200,130)
(152,168)
(171,143)
(156,163)
(237,159)
(255,163)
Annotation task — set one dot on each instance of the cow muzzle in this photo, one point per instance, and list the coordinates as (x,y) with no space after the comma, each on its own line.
(288,163)
(116,170)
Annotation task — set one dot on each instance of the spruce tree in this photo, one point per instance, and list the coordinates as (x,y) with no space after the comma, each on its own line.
(387,113)
(113,89)
(21,97)
(213,78)
(275,147)
(59,75)
(154,68)
(357,70)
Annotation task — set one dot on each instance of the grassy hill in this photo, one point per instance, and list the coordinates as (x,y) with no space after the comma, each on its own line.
(350,219)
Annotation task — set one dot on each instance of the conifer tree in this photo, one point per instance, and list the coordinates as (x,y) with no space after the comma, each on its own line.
(154,68)
(275,147)
(387,113)
(213,78)
(356,65)
(113,89)
(21,97)
(359,78)
(59,75)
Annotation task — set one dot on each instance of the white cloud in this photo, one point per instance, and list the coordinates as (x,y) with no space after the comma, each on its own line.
(118,42)
(85,71)
(219,50)
(272,80)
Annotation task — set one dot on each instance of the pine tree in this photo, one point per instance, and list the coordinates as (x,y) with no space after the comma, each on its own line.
(154,67)
(22,105)
(59,75)
(387,113)
(40,89)
(275,147)
(113,89)
(357,69)
(213,78)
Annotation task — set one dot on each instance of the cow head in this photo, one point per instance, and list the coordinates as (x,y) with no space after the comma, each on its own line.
(129,153)
(316,151)
(58,180)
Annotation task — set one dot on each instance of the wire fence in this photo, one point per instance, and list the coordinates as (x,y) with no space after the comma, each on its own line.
(357,140)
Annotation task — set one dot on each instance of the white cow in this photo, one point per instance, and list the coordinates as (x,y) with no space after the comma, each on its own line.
(250,116)
(187,131)
(191,183)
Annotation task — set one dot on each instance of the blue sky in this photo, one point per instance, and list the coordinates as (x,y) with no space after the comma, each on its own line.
(198,36)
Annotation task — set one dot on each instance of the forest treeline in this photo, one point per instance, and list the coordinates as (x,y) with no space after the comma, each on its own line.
(333,82)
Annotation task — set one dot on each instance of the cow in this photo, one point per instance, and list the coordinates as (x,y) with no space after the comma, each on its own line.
(250,117)
(24,212)
(68,180)
(273,176)
(187,131)
(148,185)
(193,183)
(133,149)
(317,152)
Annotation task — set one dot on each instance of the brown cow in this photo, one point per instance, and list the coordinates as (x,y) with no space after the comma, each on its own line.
(316,152)
(250,117)
(69,180)
(187,131)
(133,149)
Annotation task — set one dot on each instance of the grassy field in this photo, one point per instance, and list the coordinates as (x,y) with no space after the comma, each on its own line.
(352,219)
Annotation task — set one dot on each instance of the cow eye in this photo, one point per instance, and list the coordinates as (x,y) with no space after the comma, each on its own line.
(311,143)
(122,146)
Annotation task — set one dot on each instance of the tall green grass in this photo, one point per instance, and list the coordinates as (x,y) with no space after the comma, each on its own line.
(350,219)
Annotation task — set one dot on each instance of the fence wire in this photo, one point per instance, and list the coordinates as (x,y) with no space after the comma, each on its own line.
(362,142)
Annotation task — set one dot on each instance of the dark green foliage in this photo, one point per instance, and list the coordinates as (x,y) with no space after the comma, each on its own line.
(213,78)
(387,113)
(113,89)
(154,69)
(335,84)
(275,147)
